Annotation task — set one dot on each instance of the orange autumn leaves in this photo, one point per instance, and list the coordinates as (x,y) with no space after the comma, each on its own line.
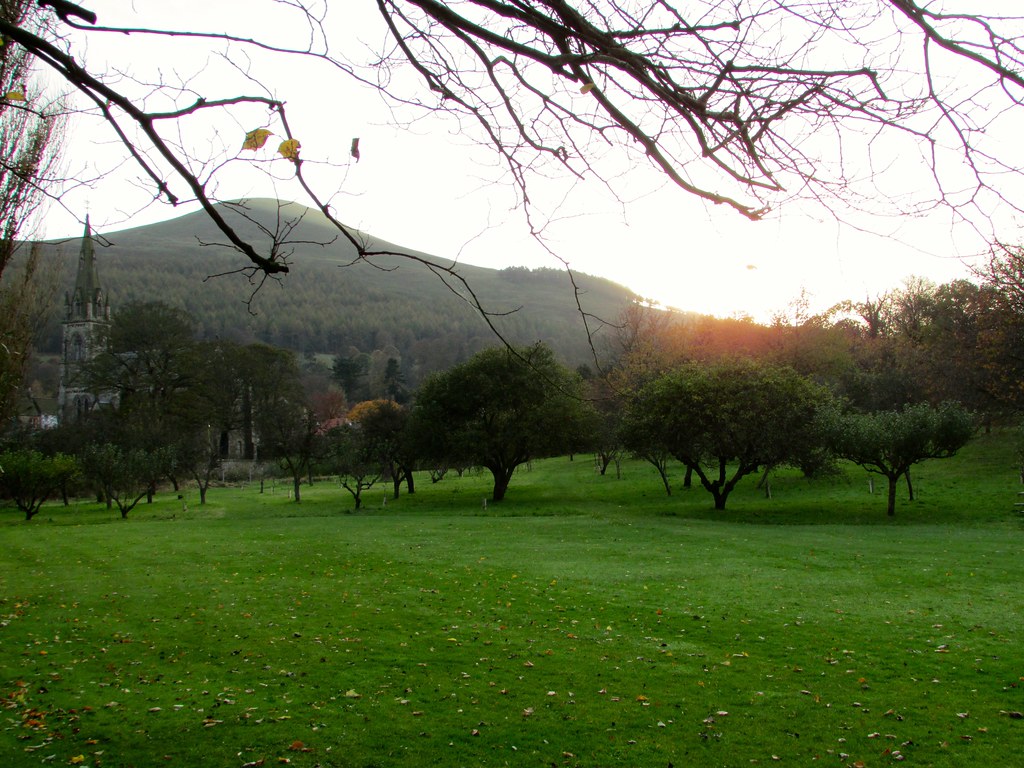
(257,139)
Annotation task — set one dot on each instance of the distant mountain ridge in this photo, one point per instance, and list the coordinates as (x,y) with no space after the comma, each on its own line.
(327,304)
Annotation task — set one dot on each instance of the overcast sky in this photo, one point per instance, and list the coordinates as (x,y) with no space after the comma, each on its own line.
(428,187)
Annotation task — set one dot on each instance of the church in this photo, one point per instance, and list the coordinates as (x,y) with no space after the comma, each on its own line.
(83,336)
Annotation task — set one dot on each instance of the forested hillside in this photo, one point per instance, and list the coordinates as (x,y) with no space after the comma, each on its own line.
(329,305)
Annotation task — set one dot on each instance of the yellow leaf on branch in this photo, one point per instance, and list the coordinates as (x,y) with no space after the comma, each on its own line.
(14,96)
(289,149)
(587,87)
(256,139)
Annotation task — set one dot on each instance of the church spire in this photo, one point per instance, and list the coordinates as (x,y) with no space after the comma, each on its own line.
(84,332)
(86,302)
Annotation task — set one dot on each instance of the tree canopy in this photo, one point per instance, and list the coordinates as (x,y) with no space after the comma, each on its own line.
(889,443)
(726,420)
(499,410)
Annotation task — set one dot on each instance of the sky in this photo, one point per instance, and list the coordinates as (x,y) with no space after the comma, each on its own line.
(426,186)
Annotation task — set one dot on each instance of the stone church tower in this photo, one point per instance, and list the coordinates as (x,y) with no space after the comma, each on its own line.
(86,319)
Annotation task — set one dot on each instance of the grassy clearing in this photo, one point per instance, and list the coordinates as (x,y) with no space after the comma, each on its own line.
(586,621)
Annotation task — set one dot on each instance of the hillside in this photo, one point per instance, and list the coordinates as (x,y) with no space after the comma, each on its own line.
(329,305)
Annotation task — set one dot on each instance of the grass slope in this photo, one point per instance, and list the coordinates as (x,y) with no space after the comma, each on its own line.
(588,621)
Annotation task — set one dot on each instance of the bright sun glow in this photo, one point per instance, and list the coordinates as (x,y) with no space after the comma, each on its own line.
(426,187)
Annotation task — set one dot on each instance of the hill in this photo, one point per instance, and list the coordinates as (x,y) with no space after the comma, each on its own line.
(328,303)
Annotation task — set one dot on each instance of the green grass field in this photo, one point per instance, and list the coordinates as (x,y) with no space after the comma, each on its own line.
(586,621)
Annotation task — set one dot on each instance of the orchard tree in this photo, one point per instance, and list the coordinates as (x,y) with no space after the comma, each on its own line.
(744,104)
(355,457)
(383,425)
(499,410)
(889,443)
(287,425)
(29,478)
(123,474)
(726,420)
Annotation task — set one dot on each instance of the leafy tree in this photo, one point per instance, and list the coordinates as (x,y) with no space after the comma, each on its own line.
(287,425)
(736,414)
(383,427)
(394,381)
(349,371)
(643,432)
(30,478)
(605,432)
(499,410)
(889,443)
(147,359)
(353,454)
(124,474)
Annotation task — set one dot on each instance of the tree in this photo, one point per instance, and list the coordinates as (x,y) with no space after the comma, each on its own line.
(26,298)
(889,443)
(124,474)
(30,147)
(736,414)
(30,478)
(641,433)
(383,426)
(353,454)
(349,371)
(739,103)
(287,425)
(147,357)
(499,410)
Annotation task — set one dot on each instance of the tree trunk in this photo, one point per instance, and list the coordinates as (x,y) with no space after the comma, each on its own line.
(297,481)
(910,485)
(688,479)
(202,493)
(502,478)
(891,508)
(662,467)
(410,484)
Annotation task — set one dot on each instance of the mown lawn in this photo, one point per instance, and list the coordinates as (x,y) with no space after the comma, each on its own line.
(587,621)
